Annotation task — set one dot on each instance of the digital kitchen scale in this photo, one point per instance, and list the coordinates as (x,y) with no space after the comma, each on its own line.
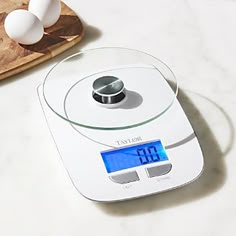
(118,126)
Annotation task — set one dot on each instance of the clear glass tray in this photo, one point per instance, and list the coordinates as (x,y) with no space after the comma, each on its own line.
(71,88)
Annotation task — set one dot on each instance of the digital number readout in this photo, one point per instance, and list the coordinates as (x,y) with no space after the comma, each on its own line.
(132,156)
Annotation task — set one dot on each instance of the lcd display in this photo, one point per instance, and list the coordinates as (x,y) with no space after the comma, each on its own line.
(132,156)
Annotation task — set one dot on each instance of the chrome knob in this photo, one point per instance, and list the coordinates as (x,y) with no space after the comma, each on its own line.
(108,90)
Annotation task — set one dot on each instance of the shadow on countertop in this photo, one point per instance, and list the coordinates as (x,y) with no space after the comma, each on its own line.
(211,180)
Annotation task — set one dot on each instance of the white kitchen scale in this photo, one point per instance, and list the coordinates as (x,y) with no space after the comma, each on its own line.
(118,126)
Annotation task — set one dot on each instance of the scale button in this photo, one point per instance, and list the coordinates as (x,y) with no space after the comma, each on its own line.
(125,178)
(158,170)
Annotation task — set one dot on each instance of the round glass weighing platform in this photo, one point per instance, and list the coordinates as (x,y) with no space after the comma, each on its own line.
(110,88)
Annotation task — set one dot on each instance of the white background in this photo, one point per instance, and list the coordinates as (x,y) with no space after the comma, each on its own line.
(197,40)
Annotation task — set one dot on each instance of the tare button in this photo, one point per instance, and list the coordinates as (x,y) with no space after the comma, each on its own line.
(125,177)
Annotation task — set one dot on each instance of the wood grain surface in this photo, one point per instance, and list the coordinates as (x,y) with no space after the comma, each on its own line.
(15,58)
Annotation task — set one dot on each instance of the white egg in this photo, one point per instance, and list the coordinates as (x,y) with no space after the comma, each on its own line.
(48,11)
(23,27)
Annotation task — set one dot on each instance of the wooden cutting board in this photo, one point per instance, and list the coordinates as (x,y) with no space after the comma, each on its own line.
(15,58)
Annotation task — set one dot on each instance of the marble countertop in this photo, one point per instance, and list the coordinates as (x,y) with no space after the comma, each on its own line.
(197,40)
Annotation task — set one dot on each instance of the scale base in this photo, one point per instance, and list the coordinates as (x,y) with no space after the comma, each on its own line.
(80,149)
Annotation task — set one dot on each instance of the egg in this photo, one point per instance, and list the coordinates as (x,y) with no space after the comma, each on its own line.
(48,11)
(23,27)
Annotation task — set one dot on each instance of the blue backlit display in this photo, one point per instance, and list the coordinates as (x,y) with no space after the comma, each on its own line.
(132,156)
